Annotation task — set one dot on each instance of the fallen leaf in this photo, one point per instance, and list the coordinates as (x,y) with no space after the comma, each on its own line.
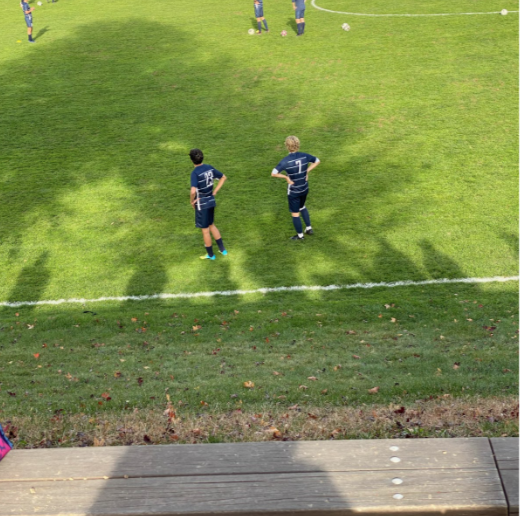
(293,407)
(374,390)
(456,365)
(249,385)
(356,357)
(134,319)
(312,378)
(303,387)
(393,319)
(350,332)
(140,381)
(324,391)
(203,403)
(196,432)
(335,433)
(106,396)
(470,320)
(380,315)
(337,368)
(36,355)
(276,373)
(196,327)
(275,433)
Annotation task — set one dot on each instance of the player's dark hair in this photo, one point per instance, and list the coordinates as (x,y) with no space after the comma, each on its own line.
(197,156)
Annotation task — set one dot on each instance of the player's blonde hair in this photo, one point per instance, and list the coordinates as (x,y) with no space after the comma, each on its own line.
(292,143)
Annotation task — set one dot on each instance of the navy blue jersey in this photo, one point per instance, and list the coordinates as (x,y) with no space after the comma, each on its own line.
(300,4)
(26,7)
(296,164)
(202,179)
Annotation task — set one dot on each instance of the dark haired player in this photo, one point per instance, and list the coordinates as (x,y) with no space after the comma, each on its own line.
(202,198)
(259,13)
(299,8)
(297,165)
(27,11)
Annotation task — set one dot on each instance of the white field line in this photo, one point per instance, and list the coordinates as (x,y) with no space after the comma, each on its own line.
(297,288)
(316,6)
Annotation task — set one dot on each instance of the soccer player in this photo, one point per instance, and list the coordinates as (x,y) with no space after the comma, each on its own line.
(259,13)
(202,198)
(27,10)
(299,8)
(297,165)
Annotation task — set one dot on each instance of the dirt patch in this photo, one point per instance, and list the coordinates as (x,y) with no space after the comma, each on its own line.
(439,417)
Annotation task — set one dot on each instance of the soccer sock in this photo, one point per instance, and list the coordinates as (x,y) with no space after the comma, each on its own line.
(30,37)
(306,217)
(259,26)
(265,25)
(220,245)
(299,28)
(209,250)
(303,27)
(298,225)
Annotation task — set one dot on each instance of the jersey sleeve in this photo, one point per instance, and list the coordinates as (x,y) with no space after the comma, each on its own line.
(217,174)
(194,179)
(279,168)
(311,158)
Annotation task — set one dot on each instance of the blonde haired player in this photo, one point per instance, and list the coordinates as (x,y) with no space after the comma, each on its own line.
(297,166)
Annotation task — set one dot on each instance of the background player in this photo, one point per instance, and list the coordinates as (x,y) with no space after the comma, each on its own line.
(296,164)
(27,10)
(259,13)
(202,198)
(299,8)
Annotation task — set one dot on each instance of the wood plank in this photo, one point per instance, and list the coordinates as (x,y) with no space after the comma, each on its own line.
(469,492)
(243,458)
(506,454)
(506,451)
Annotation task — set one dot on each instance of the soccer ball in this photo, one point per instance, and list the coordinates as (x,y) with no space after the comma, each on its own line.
(251,32)
(283,33)
(345,26)
(39,3)
(503,12)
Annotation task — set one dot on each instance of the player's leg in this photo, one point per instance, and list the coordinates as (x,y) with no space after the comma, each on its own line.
(203,220)
(294,208)
(29,29)
(265,24)
(305,215)
(259,13)
(218,239)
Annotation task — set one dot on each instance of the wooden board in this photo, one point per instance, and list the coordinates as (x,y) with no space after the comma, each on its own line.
(455,492)
(506,454)
(238,458)
(448,476)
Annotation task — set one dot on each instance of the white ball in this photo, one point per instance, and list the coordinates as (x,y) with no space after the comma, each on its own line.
(503,12)
(251,32)
(39,3)
(345,26)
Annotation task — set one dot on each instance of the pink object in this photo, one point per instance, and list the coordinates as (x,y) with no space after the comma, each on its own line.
(5,444)
(283,33)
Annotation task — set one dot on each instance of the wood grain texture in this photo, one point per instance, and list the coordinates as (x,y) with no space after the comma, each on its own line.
(239,458)
(506,454)
(456,492)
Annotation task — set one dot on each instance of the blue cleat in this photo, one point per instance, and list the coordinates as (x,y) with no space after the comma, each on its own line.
(208,257)
(224,252)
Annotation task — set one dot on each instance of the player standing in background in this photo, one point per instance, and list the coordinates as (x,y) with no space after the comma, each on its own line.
(27,10)
(299,8)
(202,198)
(296,164)
(259,13)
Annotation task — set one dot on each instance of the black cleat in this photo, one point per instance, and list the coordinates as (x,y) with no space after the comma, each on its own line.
(309,232)
(296,237)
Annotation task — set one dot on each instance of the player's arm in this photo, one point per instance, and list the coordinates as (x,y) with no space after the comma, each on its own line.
(221,182)
(312,166)
(193,196)
(275,173)
(294,5)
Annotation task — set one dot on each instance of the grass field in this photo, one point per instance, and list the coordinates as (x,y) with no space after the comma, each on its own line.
(415,121)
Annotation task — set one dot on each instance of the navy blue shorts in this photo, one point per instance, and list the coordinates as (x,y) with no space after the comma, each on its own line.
(204,218)
(297,202)
(300,13)
(28,20)
(259,10)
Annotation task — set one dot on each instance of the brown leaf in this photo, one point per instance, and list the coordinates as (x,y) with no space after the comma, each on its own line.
(324,391)
(117,374)
(335,433)
(303,387)
(312,378)
(140,381)
(337,368)
(374,390)
(196,327)
(276,373)
(356,357)
(293,407)
(203,403)
(196,432)
(456,365)
(380,315)
(106,396)
(350,332)
(146,439)
(249,385)
(275,433)
(393,319)
(99,442)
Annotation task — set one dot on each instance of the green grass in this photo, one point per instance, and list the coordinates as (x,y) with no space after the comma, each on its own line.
(416,123)
(429,343)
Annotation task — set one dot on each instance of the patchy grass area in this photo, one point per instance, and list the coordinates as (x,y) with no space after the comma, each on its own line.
(330,350)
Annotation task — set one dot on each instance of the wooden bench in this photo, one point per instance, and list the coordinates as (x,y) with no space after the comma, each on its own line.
(369,477)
